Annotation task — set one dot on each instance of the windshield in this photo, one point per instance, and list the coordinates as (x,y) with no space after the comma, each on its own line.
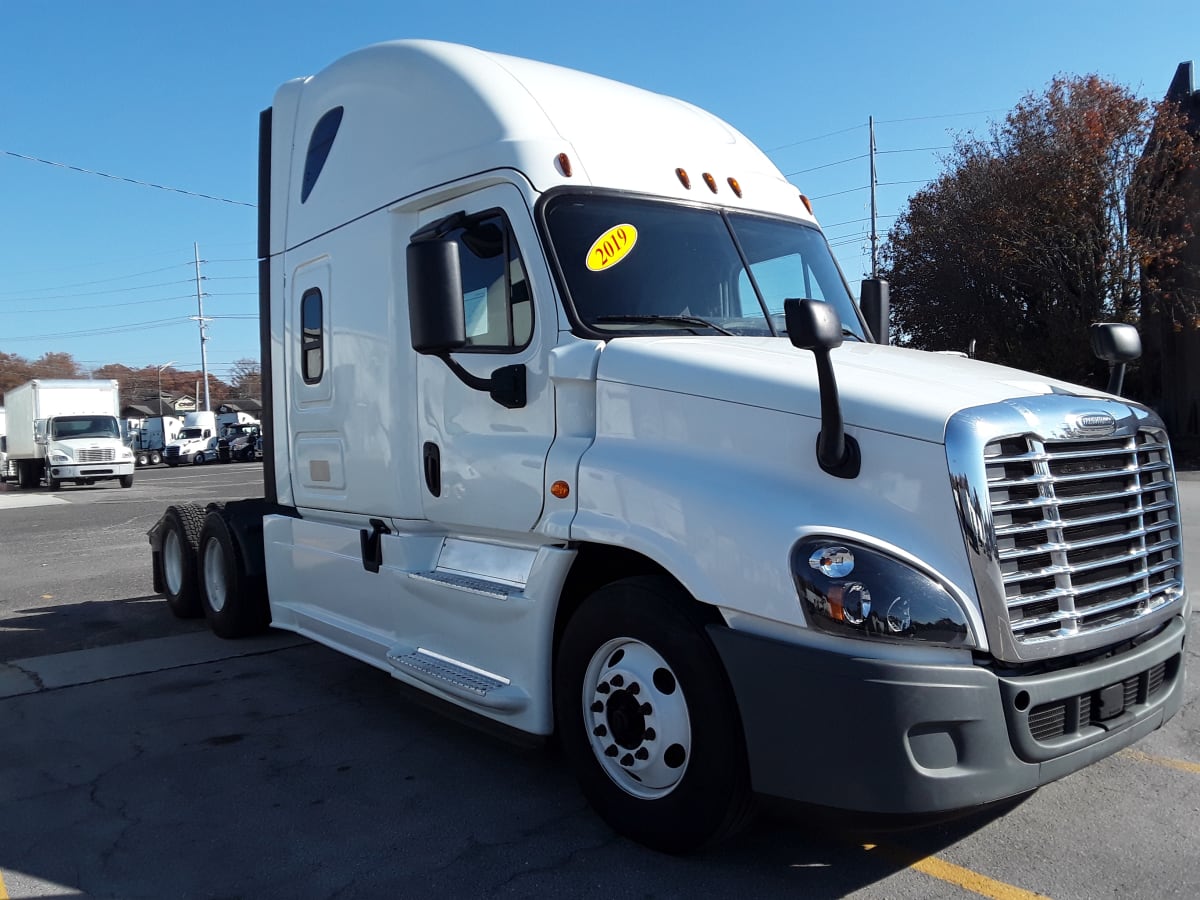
(633,265)
(67,427)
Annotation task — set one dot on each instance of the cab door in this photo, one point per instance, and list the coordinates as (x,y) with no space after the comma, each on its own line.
(483,464)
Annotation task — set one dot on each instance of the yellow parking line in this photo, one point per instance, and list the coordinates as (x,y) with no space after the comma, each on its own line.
(3,889)
(1181,764)
(967,879)
(971,880)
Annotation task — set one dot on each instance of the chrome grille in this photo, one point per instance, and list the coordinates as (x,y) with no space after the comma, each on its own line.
(94,456)
(1086,531)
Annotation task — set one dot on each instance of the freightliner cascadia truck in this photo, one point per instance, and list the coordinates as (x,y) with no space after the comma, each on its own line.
(572,422)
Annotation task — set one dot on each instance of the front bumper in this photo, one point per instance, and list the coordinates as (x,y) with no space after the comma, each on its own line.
(883,736)
(92,470)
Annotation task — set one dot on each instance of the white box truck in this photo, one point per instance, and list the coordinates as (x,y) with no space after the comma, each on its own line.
(572,422)
(66,430)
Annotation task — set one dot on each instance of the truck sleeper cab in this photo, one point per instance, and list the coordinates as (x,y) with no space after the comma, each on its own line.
(570,420)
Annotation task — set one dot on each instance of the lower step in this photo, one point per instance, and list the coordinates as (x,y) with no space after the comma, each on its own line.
(459,679)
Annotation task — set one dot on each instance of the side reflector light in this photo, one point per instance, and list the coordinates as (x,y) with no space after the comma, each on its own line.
(561,490)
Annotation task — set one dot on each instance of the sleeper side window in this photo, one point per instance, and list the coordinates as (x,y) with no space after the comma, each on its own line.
(497,305)
(312,336)
(319,145)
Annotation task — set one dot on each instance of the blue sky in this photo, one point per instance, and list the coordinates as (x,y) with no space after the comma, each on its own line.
(169,93)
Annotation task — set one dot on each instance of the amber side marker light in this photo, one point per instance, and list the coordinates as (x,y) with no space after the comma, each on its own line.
(683,178)
(711,182)
(561,490)
(737,188)
(807,204)
(564,164)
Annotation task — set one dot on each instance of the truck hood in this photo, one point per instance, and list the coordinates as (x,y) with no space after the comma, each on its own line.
(891,389)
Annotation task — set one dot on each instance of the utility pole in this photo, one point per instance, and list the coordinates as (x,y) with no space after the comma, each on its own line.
(874,232)
(203,332)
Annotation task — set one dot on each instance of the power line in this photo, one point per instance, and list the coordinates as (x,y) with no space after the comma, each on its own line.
(149,184)
(96,332)
(60,287)
(54,309)
(103,293)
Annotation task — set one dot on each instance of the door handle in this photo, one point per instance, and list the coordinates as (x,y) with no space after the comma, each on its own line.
(432,458)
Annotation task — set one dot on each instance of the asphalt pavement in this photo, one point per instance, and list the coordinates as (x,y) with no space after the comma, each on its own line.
(140,756)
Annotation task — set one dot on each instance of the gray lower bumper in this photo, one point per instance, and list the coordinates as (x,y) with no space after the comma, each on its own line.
(891,737)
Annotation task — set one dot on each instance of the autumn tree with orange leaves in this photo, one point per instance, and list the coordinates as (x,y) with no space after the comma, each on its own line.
(1046,225)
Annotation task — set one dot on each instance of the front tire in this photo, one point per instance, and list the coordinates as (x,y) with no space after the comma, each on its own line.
(234,602)
(177,559)
(198,459)
(126,481)
(647,717)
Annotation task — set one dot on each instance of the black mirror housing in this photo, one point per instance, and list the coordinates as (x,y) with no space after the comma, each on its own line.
(1116,342)
(435,311)
(875,303)
(812,324)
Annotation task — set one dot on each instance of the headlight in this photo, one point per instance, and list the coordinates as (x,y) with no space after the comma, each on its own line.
(853,591)
(126,453)
(59,457)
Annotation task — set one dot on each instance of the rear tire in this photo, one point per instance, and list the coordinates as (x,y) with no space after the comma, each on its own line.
(155,458)
(143,459)
(234,602)
(181,526)
(647,717)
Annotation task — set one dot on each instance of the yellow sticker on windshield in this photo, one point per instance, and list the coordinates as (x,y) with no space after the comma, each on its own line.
(611,247)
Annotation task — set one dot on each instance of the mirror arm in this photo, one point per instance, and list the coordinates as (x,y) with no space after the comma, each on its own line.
(506,386)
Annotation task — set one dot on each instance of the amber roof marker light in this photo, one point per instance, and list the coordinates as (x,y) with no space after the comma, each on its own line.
(710,181)
(564,164)
(807,204)
(737,188)
(684,179)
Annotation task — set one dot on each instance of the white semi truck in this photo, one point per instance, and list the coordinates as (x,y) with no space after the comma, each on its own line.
(572,422)
(66,430)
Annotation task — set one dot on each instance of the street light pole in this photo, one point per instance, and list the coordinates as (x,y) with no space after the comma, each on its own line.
(160,371)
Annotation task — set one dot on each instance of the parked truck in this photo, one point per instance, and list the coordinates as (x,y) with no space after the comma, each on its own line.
(572,422)
(66,430)
(149,437)
(196,441)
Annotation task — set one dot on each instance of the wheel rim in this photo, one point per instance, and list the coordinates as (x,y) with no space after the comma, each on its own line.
(636,718)
(173,562)
(214,574)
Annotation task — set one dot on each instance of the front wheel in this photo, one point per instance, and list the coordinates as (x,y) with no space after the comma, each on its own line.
(647,717)
(199,459)
(126,481)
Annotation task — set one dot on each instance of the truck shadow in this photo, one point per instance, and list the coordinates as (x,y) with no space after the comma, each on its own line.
(61,627)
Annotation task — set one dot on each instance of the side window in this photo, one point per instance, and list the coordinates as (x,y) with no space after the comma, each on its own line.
(312,336)
(319,145)
(497,306)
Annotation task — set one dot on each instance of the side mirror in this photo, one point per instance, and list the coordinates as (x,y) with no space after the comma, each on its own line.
(435,307)
(437,322)
(875,303)
(1117,344)
(815,326)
